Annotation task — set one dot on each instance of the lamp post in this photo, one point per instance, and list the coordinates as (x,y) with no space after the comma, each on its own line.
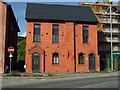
(111,36)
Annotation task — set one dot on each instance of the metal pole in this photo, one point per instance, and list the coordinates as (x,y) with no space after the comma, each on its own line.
(108,64)
(10,64)
(111,37)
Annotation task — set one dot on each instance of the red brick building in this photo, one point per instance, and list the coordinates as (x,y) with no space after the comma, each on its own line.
(8,36)
(61,38)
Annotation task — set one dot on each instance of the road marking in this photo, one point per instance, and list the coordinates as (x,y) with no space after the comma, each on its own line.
(88,86)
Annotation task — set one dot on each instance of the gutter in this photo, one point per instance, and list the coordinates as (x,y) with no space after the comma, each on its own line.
(74,48)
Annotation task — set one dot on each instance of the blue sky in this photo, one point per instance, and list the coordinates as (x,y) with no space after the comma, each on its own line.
(19,9)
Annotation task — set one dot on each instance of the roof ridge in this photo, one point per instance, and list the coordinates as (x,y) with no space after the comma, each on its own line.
(52,12)
(58,5)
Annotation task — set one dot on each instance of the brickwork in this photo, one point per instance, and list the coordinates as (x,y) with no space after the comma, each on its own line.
(65,47)
(2,34)
(8,36)
(86,48)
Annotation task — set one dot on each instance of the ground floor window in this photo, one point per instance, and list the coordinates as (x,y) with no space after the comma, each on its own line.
(81,58)
(55,58)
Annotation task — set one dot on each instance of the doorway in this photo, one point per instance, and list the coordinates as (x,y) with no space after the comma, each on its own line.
(36,63)
(92,62)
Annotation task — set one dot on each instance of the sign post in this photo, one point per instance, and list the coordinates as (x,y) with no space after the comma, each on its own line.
(10,56)
(10,51)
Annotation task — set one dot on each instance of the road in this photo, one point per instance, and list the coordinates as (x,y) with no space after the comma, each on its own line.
(94,81)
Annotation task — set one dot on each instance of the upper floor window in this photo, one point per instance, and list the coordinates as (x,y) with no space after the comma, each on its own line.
(55,58)
(36,32)
(85,34)
(81,58)
(55,33)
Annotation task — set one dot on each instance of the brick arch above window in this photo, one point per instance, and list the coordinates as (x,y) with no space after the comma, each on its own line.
(36,48)
(56,51)
(36,54)
(81,53)
(92,52)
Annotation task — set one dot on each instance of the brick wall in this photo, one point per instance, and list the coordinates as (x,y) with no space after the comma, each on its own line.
(86,48)
(2,34)
(65,47)
(8,36)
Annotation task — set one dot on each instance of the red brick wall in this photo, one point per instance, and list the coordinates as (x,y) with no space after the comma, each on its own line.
(86,48)
(2,35)
(8,37)
(65,47)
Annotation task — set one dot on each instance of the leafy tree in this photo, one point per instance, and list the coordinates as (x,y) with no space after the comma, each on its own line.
(21,48)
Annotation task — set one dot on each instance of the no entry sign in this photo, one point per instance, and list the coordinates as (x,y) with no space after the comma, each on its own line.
(11,49)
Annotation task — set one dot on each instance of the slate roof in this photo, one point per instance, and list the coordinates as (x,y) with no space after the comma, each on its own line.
(51,12)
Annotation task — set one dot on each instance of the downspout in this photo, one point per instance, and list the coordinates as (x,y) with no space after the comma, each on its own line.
(44,62)
(74,48)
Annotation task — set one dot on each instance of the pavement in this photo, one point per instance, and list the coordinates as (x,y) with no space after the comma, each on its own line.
(94,80)
(59,75)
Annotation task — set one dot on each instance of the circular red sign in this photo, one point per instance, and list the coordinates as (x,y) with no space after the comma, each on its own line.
(11,49)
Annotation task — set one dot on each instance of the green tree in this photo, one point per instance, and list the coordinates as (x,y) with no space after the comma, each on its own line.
(21,48)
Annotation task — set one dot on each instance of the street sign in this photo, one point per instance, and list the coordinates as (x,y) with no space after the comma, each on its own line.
(10,55)
(11,49)
(24,66)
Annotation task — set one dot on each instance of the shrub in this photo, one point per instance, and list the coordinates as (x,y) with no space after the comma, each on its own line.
(14,73)
(50,74)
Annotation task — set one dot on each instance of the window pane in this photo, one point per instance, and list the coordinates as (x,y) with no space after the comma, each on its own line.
(55,33)
(81,58)
(37,26)
(85,34)
(55,58)
(36,32)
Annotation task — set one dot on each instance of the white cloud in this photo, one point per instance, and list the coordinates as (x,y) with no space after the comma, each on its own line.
(22,34)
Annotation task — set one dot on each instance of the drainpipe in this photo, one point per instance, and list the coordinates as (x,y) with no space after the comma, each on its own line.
(74,48)
(44,62)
